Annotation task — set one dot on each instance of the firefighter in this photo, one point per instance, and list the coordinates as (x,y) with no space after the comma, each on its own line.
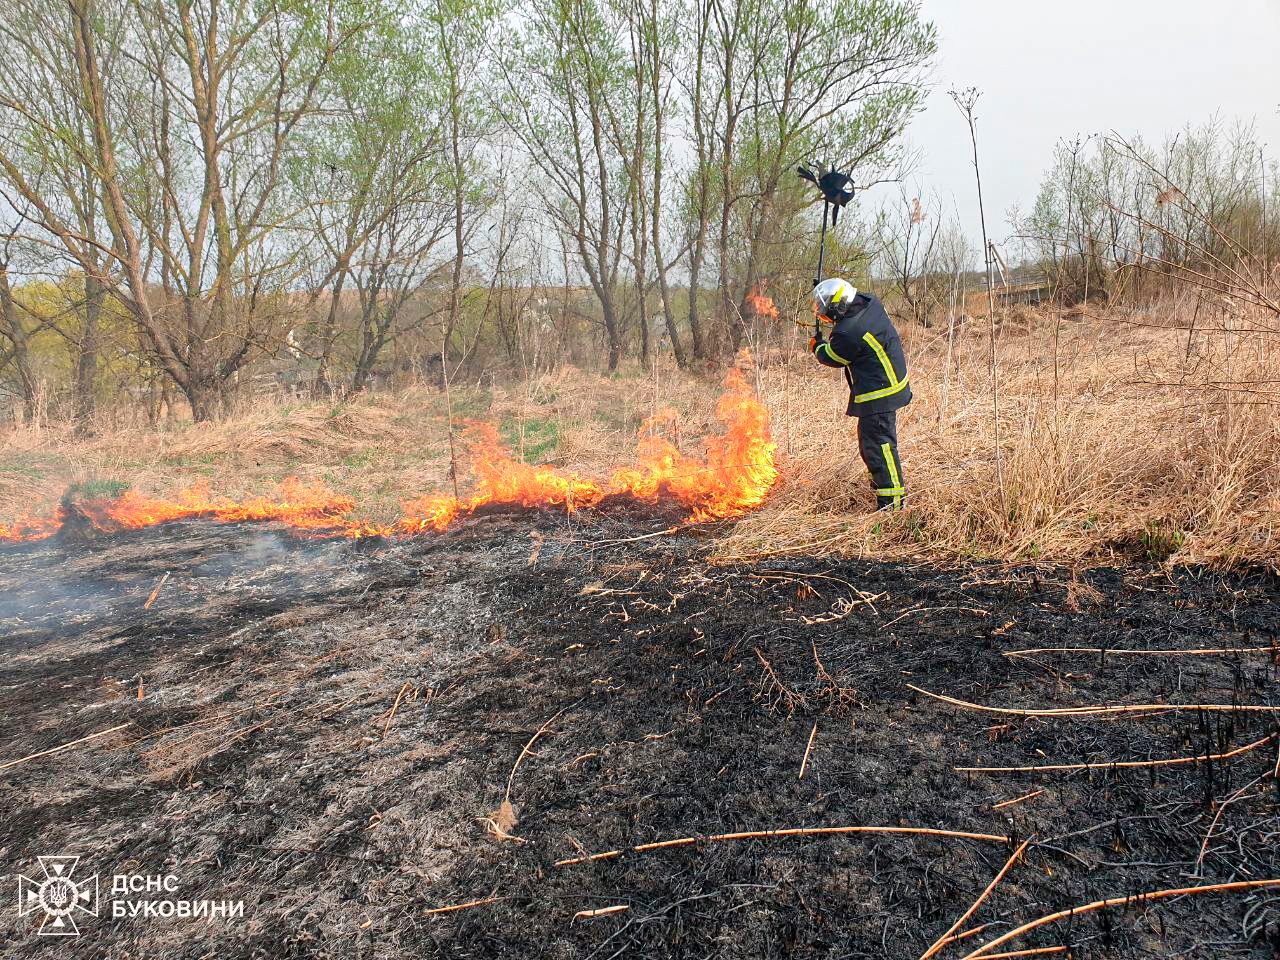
(864,343)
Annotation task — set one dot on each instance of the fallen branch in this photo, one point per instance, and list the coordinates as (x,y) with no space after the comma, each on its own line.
(1204,846)
(844,606)
(648,536)
(779,693)
(603,911)
(1115,764)
(1093,711)
(156,592)
(463,906)
(804,762)
(977,610)
(1009,803)
(782,832)
(540,731)
(66,746)
(983,952)
(1129,652)
(394,707)
(973,908)
(971,932)
(1031,952)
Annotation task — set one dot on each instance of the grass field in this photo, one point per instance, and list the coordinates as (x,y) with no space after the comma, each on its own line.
(1121,435)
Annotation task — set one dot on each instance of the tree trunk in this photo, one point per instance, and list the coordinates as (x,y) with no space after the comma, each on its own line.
(206,397)
(17,335)
(695,277)
(611,331)
(364,367)
(320,387)
(727,330)
(659,262)
(642,287)
(457,170)
(87,357)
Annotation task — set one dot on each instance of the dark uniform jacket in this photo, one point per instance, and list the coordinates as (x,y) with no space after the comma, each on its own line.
(865,345)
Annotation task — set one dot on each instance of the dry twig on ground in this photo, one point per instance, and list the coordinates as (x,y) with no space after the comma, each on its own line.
(984,952)
(1109,709)
(779,833)
(1123,764)
(943,940)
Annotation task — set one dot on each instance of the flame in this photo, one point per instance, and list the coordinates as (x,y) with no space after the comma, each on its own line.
(763,304)
(732,476)
(304,506)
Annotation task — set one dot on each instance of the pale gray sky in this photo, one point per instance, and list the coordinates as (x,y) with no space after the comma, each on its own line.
(1054,69)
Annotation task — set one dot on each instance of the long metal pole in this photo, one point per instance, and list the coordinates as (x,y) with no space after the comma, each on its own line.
(822,242)
(822,252)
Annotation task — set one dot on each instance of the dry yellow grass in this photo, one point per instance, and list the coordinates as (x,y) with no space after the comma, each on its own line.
(1113,440)
(1114,445)
(380,448)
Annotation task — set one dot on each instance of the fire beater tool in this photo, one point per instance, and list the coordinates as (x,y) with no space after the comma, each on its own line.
(837,190)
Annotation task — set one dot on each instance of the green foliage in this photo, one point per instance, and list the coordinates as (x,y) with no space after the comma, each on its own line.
(366,160)
(532,439)
(94,490)
(470,403)
(1160,540)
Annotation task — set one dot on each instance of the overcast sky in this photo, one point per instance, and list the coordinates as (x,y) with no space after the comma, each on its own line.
(1051,70)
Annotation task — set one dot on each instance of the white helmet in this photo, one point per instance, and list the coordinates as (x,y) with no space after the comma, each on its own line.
(829,295)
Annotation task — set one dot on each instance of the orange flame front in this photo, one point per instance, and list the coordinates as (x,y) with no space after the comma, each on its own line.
(763,304)
(733,475)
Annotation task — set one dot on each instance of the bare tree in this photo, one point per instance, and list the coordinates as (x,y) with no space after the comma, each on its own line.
(558,90)
(908,250)
(17,328)
(187,139)
(784,92)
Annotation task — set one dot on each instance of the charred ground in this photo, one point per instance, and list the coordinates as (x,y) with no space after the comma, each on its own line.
(327,731)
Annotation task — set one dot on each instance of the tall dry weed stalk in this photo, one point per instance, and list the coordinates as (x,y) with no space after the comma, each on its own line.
(966,101)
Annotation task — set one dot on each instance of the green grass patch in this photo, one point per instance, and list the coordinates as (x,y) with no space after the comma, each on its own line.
(95,490)
(1160,540)
(469,404)
(201,460)
(628,423)
(541,437)
(34,468)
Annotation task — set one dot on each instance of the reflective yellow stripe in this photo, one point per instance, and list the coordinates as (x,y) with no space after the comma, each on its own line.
(833,355)
(882,392)
(874,344)
(839,293)
(894,383)
(890,491)
(893,466)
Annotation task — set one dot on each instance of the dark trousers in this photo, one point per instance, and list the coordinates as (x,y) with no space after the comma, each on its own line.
(878,443)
